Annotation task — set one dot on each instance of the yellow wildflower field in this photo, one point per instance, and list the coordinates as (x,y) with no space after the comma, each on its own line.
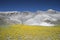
(27,32)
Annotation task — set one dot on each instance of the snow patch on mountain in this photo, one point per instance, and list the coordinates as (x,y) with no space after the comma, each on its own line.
(42,18)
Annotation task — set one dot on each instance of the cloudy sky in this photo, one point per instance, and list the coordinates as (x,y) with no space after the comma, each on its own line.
(29,5)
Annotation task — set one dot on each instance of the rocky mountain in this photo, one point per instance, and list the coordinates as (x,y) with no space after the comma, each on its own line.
(44,18)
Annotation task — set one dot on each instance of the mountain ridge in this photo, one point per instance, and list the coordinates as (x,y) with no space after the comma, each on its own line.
(43,18)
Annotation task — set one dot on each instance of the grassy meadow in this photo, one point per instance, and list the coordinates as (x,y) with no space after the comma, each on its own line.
(27,32)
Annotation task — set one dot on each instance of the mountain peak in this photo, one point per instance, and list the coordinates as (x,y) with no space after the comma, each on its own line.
(51,10)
